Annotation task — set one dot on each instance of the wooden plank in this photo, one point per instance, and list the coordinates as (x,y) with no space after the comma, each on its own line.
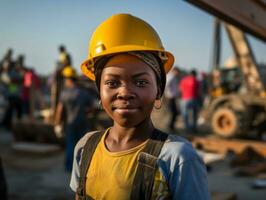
(35,148)
(34,131)
(248,15)
(219,145)
(223,196)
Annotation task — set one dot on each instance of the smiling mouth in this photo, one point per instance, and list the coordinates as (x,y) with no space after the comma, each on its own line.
(125,109)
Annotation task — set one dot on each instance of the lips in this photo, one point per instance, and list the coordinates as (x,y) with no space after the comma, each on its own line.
(125,108)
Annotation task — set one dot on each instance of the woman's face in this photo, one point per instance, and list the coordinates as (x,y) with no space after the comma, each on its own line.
(128,90)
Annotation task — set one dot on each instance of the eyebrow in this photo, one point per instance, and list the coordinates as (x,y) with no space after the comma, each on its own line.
(140,74)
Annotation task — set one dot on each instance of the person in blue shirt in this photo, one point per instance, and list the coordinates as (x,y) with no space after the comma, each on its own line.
(72,109)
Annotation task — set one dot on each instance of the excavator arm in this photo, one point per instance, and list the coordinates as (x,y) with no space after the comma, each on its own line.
(247,15)
(245,59)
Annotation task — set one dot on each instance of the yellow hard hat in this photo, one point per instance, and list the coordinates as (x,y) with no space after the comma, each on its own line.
(69,72)
(124,33)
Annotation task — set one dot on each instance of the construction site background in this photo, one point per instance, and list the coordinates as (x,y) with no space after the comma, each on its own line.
(223,114)
(38,159)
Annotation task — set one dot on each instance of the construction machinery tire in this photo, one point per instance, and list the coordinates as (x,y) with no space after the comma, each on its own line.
(227,123)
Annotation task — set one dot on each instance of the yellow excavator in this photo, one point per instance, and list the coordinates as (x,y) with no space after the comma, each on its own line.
(239,114)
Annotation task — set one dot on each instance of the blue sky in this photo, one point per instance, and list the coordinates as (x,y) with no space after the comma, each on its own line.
(36,28)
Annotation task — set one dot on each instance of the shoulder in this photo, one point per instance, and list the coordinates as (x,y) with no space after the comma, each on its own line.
(75,175)
(178,159)
(177,150)
(183,169)
(84,139)
(80,145)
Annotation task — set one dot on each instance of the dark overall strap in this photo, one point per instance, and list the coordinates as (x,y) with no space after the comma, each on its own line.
(147,166)
(88,151)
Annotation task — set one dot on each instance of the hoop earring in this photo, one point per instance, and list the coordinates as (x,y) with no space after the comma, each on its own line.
(157,104)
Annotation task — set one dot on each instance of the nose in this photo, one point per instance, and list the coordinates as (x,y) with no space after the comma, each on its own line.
(126,93)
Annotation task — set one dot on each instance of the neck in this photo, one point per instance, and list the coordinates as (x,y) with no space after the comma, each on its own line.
(122,136)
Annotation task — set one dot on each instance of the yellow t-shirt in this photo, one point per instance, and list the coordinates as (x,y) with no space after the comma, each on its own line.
(110,175)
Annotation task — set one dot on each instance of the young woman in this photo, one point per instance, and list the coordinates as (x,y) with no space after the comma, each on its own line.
(132,159)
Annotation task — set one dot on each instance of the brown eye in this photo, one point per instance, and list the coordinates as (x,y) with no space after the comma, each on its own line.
(112,83)
(141,83)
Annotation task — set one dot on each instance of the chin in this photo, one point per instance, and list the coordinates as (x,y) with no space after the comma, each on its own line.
(127,123)
(130,123)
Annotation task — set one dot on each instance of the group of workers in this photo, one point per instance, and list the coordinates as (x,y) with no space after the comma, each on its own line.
(23,93)
(18,85)
(185,94)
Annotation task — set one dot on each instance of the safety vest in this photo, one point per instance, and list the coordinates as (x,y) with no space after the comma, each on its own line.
(146,168)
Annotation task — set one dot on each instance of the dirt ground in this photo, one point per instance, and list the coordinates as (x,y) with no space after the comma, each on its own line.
(33,176)
(222,179)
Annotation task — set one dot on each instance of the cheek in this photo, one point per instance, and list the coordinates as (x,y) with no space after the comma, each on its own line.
(105,96)
(149,96)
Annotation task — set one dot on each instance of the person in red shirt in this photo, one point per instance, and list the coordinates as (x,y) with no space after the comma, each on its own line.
(189,88)
(30,91)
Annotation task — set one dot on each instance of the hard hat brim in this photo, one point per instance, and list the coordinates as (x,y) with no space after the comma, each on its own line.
(89,70)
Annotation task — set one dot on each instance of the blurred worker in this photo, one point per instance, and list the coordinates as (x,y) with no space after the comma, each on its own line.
(6,65)
(31,91)
(5,79)
(189,88)
(3,186)
(63,61)
(15,76)
(7,60)
(172,94)
(64,57)
(74,103)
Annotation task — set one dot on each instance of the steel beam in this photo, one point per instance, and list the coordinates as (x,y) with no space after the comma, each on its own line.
(248,15)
